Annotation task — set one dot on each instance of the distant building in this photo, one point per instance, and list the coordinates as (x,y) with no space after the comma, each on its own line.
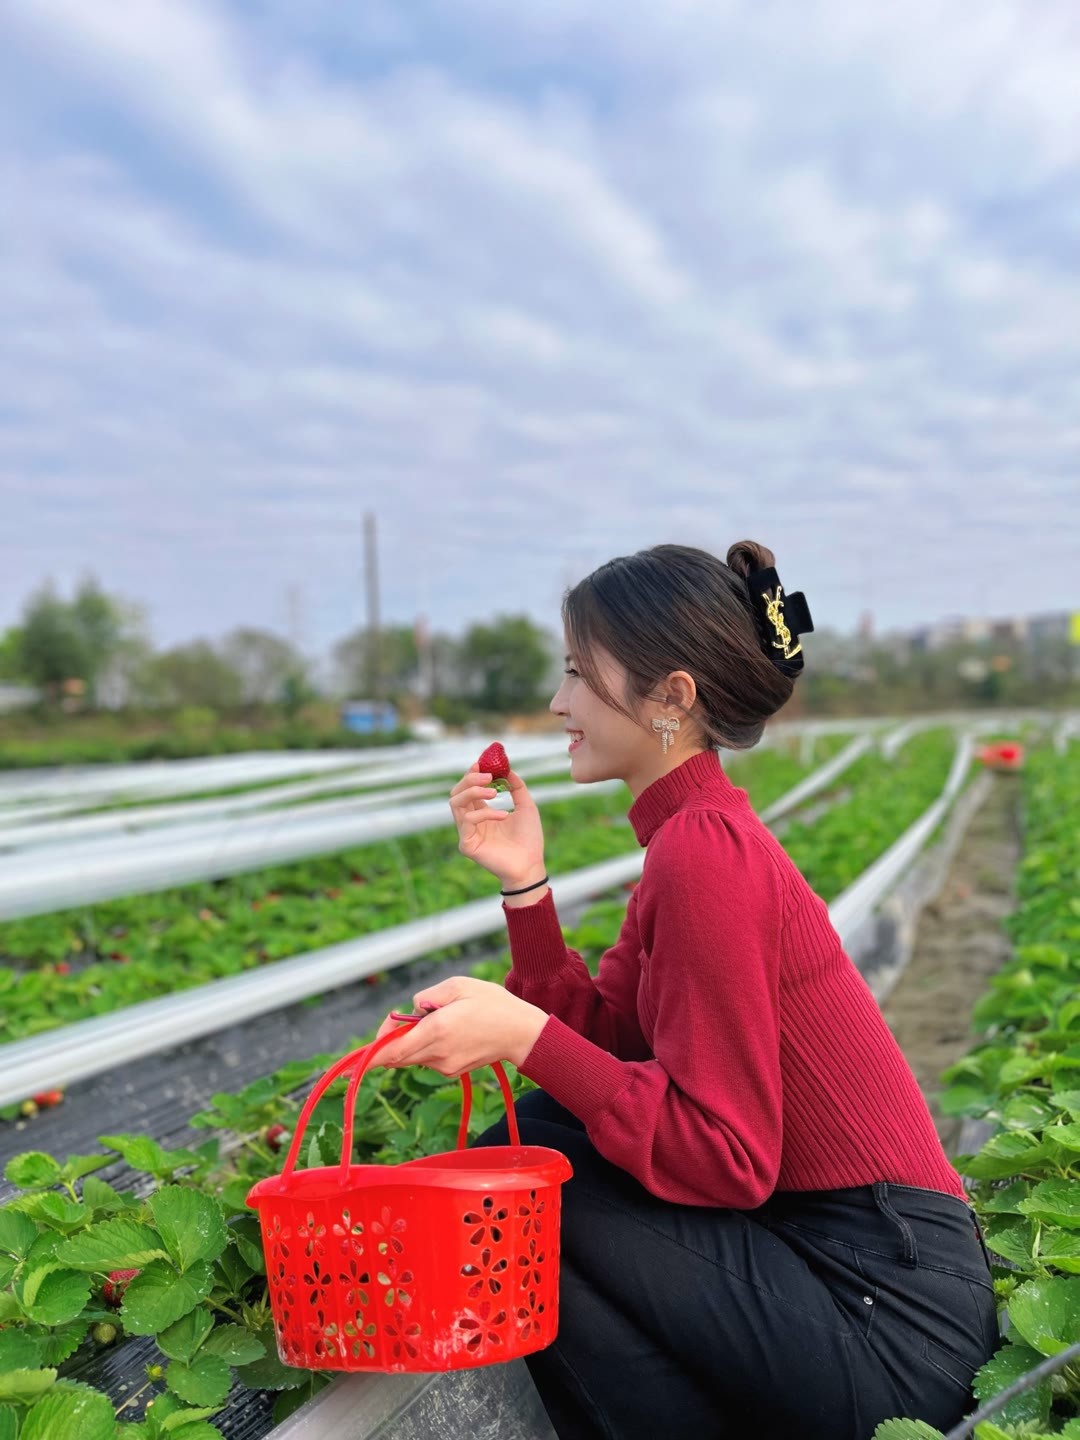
(369,717)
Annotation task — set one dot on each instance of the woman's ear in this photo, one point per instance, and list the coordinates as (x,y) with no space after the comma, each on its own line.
(680,689)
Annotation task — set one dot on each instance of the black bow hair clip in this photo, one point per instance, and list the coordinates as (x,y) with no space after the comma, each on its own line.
(781,619)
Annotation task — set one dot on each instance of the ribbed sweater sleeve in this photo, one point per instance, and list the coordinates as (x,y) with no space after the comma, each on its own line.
(700,1123)
(548,973)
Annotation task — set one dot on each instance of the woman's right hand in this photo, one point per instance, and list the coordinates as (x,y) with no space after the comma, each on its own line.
(509,843)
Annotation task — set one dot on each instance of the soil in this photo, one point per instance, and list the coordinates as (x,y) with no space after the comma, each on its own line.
(959,943)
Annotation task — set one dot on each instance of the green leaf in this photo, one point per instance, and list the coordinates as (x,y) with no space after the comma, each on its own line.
(142,1153)
(1014,1242)
(1055,1200)
(269,1373)
(205,1381)
(100,1196)
(235,1344)
(1003,1155)
(76,1166)
(52,1209)
(9,1423)
(1004,1201)
(32,1170)
(55,1296)
(17,1233)
(906,1430)
(25,1385)
(1067,1135)
(1047,1313)
(182,1339)
(999,1372)
(184,1418)
(199,1431)
(116,1244)
(19,1351)
(1061,1249)
(235,1270)
(1067,1100)
(158,1296)
(82,1414)
(191,1224)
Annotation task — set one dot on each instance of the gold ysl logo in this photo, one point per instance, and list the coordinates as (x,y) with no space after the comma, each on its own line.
(775,613)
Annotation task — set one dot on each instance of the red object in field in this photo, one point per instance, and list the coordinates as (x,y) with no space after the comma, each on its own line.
(1008,755)
(447,1262)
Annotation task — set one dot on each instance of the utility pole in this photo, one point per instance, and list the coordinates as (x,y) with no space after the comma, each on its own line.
(371,574)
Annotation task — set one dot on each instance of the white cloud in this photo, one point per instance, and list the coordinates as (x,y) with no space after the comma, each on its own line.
(600,274)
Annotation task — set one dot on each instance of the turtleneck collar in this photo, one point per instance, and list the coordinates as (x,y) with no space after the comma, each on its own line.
(702,772)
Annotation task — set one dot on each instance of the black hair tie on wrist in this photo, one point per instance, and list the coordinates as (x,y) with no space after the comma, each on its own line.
(780,619)
(525,888)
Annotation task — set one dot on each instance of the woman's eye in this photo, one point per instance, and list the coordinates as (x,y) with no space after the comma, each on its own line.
(569,672)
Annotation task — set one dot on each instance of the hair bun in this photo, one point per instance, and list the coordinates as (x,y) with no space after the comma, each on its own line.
(746,556)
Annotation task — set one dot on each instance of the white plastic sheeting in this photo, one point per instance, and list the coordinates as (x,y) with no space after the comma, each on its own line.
(116,823)
(73,1052)
(39,881)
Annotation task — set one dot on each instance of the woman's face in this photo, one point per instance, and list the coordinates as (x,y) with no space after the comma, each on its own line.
(613,747)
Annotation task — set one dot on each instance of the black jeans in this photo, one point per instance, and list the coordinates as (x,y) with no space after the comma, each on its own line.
(817,1315)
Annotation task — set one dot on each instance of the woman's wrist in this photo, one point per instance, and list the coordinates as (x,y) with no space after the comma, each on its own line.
(529,883)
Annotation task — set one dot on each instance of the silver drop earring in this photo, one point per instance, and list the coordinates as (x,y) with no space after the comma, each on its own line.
(666,726)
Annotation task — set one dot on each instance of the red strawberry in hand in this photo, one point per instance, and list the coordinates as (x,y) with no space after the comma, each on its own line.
(112,1292)
(493,762)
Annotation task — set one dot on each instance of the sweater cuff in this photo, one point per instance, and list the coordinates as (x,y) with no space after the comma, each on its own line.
(579,1075)
(537,946)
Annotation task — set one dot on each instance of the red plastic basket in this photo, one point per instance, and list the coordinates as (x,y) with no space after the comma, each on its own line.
(442,1263)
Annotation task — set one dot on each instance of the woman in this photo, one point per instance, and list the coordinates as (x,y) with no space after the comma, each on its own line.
(763,1236)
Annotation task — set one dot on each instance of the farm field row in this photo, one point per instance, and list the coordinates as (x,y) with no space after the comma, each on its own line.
(200,1291)
(88,961)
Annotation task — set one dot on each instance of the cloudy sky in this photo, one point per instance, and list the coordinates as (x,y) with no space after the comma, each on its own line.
(540,285)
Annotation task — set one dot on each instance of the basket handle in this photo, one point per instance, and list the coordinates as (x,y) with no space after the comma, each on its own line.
(358,1061)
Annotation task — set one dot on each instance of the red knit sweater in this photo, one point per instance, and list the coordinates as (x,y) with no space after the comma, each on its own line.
(728,1046)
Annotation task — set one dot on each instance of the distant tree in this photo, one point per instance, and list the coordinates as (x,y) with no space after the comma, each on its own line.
(196,674)
(266,663)
(11,661)
(76,640)
(392,663)
(506,664)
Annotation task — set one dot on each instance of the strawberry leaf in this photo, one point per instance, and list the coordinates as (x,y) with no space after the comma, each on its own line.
(158,1296)
(182,1339)
(112,1245)
(52,1209)
(1047,1313)
(23,1386)
(17,1233)
(32,1170)
(235,1345)
(1057,1201)
(53,1296)
(205,1381)
(191,1225)
(1007,1365)
(81,1414)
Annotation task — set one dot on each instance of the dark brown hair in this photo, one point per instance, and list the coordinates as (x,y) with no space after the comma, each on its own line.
(674,607)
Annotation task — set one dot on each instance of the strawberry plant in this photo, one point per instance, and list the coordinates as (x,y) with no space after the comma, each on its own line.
(123,951)
(887,796)
(1023,1077)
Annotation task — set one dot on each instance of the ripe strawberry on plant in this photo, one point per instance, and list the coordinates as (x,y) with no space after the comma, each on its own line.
(46,1099)
(112,1292)
(63,968)
(494,762)
(277,1136)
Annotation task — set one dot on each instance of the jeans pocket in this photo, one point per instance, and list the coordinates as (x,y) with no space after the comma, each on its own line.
(836,1264)
(960,1371)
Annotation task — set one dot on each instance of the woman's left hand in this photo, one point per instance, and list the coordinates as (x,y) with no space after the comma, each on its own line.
(472,1022)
